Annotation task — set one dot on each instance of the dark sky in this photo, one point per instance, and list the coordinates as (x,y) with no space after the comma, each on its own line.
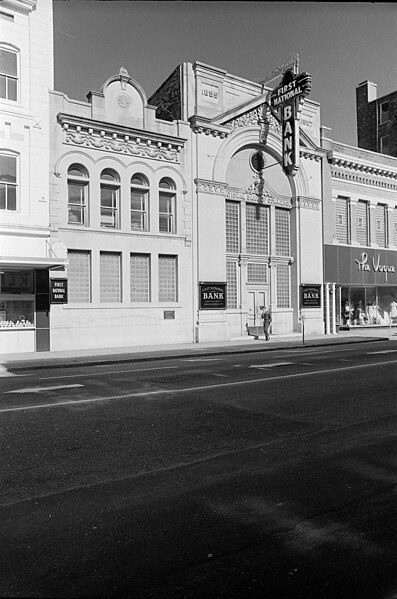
(340,44)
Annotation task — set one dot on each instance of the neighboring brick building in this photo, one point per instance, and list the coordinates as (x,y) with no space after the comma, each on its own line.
(376,119)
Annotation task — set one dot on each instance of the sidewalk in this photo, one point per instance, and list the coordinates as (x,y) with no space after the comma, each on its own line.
(14,362)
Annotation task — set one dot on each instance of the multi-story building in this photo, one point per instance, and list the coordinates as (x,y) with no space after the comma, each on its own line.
(376,119)
(360,237)
(26,253)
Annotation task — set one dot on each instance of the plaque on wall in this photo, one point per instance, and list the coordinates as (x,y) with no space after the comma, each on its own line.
(212,296)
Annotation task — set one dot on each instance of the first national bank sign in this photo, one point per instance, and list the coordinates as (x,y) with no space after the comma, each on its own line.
(287,98)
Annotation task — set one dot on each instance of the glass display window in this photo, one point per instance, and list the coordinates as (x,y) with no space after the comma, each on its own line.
(16,313)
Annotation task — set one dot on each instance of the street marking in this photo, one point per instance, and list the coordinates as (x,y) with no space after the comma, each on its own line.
(193,389)
(39,389)
(67,376)
(385,351)
(202,359)
(271,365)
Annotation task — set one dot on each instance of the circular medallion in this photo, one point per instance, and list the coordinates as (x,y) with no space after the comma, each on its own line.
(124,100)
(257,161)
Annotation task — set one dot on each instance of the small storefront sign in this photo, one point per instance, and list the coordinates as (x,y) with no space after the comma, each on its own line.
(169,314)
(58,291)
(310,296)
(212,296)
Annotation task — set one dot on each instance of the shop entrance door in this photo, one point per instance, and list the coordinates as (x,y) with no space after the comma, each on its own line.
(256,300)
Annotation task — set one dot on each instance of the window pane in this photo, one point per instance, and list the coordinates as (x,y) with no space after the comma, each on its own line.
(257,229)
(167,279)
(108,176)
(79,276)
(165,204)
(12,89)
(140,278)
(167,184)
(139,180)
(231,279)
(232,227)
(76,193)
(108,197)
(8,63)
(110,277)
(77,171)
(8,169)
(282,232)
(138,200)
(11,198)
(3,87)
(282,286)
(2,197)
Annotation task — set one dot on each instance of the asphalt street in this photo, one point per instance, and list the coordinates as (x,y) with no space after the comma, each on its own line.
(247,475)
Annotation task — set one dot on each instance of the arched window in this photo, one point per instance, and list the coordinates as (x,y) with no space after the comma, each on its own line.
(77,195)
(8,181)
(167,206)
(8,74)
(139,203)
(110,199)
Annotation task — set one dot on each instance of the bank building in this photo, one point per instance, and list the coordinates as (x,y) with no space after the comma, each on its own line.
(176,218)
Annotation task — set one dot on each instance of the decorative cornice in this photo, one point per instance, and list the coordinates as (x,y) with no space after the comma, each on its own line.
(121,140)
(348,169)
(22,5)
(255,116)
(310,203)
(203,125)
(211,187)
(311,154)
(251,194)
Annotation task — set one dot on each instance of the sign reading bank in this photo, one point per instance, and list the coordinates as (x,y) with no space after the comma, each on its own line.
(212,296)
(286,98)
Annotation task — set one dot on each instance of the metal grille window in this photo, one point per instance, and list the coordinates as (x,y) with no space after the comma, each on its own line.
(362,222)
(283,286)
(110,277)
(256,272)
(110,191)
(139,203)
(140,278)
(231,279)
(232,227)
(257,219)
(79,276)
(167,206)
(168,291)
(8,182)
(77,195)
(8,75)
(342,220)
(380,225)
(282,232)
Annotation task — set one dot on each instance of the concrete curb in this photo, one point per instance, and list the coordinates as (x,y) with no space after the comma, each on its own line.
(169,353)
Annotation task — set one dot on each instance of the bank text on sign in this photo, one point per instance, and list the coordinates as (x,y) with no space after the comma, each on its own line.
(212,296)
(58,291)
(286,98)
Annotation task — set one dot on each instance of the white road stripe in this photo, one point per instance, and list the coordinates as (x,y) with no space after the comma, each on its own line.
(192,389)
(385,351)
(40,389)
(67,376)
(271,365)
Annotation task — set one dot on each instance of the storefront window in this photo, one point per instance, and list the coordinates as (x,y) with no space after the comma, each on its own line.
(16,299)
(369,306)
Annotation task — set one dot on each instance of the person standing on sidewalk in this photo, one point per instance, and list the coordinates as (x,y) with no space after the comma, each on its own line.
(267,319)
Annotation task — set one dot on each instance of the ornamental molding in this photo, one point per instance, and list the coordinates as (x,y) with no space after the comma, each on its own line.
(346,169)
(254,195)
(22,5)
(310,155)
(202,125)
(121,140)
(134,148)
(257,116)
(210,187)
(310,203)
